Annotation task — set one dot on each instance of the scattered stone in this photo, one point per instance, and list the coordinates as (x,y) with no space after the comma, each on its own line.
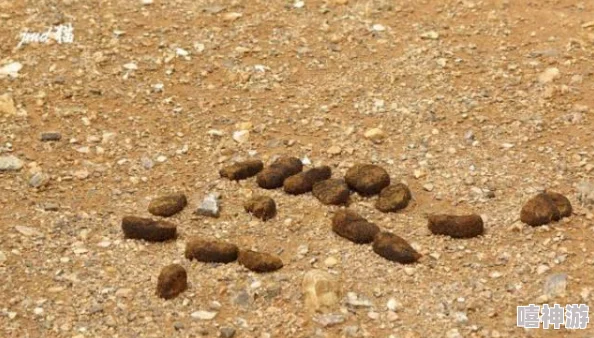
(203,315)
(227,332)
(168,205)
(350,225)
(376,135)
(172,281)
(211,251)
(367,179)
(330,319)
(393,198)
(27,231)
(562,203)
(38,180)
(50,206)
(303,182)
(555,285)
(11,70)
(331,192)
(124,293)
(147,163)
(330,262)
(241,136)
(334,150)
(148,229)
(586,192)
(50,136)
(394,248)
(352,299)
(242,170)
(321,291)
(392,305)
(259,262)
(262,207)
(539,210)
(465,226)
(548,75)
(274,176)
(430,35)
(243,299)
(378,27)
(7,105)
(231,16)
(209,206)
(10,163)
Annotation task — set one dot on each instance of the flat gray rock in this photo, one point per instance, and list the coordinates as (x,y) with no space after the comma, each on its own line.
(10,163)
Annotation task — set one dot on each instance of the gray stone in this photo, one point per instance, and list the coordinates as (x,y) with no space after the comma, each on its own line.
(357,301)
(242,298)
(38,180)
(209,206)
(147,163)
(227,332)
(51,136)
(10,163)
(330,319)
(555,285)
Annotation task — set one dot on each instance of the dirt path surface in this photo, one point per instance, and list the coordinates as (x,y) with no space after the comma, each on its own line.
(475,105)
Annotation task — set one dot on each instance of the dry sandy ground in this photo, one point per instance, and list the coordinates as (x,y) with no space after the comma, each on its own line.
(474,115)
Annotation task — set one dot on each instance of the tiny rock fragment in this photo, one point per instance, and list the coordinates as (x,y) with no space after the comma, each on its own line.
(203,315)
(586,192)
(548,75)
(227,332)
(27,231)
(393,198)
(562,203)
(168,205)
(334,150)
(148,229)
(50,136)
(331,192)
(10,163)
(11,70)
(242,170)
(376,135)
(209,206)
(430,35)
(539,210)
(259,262)
(555,285)
(465,226)
(262,207)
(303,182)
(7,105)
(350,225)
(172,281)
(378,27)
(321,291)
(274,175)
(394,248)
(329,319)
(211,251)
(38,180)
(241,136)
(367,179)
(232,16)
(130,66)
